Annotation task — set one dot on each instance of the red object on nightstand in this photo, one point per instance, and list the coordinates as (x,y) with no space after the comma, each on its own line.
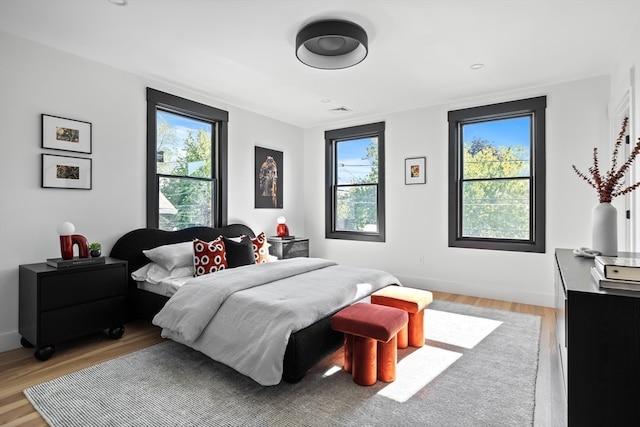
(282,230)
(66,246)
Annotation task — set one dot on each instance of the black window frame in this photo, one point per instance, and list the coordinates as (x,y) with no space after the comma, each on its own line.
(332,137)
(219,119)
(534,107)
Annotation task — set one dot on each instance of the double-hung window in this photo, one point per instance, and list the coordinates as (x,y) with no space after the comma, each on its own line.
(497,176)
(354,198)
(186,163)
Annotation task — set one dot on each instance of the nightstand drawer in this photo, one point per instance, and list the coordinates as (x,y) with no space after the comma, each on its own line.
(296,249)
(288,248)
(59,325)
(76,287)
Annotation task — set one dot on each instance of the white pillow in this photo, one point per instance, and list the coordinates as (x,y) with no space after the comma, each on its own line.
(155,273)
(172,256)
(140,275)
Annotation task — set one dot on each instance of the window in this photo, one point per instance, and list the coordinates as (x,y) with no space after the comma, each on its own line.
(186,163)
(354,199)
(497,176)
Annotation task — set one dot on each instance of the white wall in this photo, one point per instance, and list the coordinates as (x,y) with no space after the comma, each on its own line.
(417,215)
(35,79)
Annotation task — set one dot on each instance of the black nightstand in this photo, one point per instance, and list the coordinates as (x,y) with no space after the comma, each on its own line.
(60,304)
(288,248)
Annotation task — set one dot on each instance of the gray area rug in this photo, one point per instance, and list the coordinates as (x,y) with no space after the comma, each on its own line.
(478,368)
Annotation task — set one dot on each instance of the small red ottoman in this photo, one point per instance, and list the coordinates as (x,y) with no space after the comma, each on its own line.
(413,301)
(370,343)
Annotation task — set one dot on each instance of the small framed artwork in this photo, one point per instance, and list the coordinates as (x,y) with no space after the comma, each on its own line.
(415,170)
(268,178)
(66,134)
(66,172)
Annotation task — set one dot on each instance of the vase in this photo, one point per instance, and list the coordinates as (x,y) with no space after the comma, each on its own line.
(604,229)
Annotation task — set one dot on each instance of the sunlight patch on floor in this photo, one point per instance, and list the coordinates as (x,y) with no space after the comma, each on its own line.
(419,368)
(416,370)
(332,370)
(457,329)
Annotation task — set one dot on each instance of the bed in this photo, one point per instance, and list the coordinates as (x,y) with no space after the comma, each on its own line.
(304,347)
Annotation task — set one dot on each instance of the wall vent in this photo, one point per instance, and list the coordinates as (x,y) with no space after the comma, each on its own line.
(341,110)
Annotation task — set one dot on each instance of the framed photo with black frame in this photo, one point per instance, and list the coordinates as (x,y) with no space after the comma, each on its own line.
(415,170)
(63,134)
(66,172)
(268,178)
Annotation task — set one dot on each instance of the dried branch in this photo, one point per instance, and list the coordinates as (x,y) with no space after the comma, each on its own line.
(611,184)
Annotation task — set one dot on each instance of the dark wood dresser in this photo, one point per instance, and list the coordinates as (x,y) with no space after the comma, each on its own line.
(598,334)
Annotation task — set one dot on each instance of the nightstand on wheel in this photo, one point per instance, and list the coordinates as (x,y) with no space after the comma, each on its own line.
(59,304)
(283,248)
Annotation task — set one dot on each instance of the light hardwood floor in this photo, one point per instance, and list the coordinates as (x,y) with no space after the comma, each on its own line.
(19,369)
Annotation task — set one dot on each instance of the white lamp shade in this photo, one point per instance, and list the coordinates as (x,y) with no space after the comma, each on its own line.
(65,228)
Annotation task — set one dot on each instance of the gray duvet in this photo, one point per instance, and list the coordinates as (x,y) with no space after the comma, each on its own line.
(243,317)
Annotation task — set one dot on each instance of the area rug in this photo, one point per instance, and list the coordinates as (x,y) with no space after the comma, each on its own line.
(478,368)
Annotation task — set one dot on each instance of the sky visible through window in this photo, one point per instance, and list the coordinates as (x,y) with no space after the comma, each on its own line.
(352,163)
(501,133)
(183,125)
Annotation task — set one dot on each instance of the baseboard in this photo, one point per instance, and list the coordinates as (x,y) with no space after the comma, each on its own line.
(478,290)
(9,341)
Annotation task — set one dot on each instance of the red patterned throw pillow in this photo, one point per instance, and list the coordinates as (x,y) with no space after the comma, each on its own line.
(208,257)
(260,247)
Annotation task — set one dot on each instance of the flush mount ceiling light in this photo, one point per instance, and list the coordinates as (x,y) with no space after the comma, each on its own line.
(332,44)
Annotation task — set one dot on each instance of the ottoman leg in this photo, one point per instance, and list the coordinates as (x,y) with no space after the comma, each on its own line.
(403,336)
(348,352)
(387,360)
(416,329)
(364,361)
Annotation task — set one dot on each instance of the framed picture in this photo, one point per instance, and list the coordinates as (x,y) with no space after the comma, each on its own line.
(66,172)
(415,170)
(268,178)
(66,134)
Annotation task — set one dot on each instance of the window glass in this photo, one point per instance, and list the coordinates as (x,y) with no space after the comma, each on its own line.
(357,163)
(497,148)
(183,150)
(183,145)
(184,203)
(496,172)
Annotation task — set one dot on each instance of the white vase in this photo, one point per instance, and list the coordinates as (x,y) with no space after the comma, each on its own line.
(604,229)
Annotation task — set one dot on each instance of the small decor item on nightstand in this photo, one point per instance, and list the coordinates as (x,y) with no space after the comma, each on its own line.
(68,240)
(282,230)
(95,249)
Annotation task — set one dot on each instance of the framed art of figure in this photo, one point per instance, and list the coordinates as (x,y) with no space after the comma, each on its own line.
(66,134)
(66,172)
(268,178)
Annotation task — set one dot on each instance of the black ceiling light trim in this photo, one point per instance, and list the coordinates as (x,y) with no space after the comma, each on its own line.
(332,44)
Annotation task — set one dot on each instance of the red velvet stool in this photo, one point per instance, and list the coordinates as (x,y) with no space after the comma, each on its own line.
(370,344)
(413,301)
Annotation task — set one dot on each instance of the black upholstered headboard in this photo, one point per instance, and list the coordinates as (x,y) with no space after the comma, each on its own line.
(129,247)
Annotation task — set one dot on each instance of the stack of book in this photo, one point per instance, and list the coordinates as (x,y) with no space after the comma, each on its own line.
(617,272)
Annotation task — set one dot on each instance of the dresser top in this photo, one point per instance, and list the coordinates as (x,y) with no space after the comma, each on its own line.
(576,274)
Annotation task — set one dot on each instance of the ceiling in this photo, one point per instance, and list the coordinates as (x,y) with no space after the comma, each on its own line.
(241,52)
